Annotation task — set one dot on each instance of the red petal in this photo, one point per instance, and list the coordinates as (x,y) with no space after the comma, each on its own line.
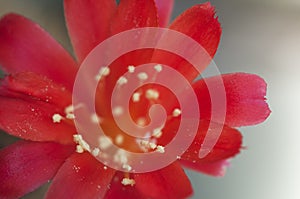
(81,176)
(245,95)
(24,166)
(217,168)
(38,86)
(25,46)
(164,11)
(200,23)
(134,14)
(88,23)
(32,119)
(228,143)
(169,182)
(118,190)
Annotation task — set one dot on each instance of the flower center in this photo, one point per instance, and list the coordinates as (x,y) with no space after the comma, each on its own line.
(143,137)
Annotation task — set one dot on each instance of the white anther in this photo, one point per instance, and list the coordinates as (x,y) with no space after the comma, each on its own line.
(56,118)
(79,149)
(122,80)
(152,94)
(119,139)
(157,133)
(176,112)
(127,167)
(104,142)
(141,121)
(128,181)
(152,145)
(120,157)
(147,144)
(160,149)
(77,137)
(104,71)
(69,109)
(142,76)
(136,97)
(95,152)
(158,67)
(70,116)
(117,111)
(144,143)
(131,69)
(95,118)
(81,142)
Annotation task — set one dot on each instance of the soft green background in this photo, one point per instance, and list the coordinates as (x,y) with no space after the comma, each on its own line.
(261,37)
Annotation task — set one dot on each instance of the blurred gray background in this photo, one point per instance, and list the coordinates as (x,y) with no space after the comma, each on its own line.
(261,37)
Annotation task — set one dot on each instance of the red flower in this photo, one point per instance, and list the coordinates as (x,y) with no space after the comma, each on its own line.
(37,91)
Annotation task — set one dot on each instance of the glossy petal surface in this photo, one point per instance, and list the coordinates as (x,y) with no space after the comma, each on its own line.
(81,176)
(217,168)
(38,87)
(134,14)
(88,22)
(118,190)
(25,46)
(31,119)
(24,166)
(168,183)
(245,96)
(164,10)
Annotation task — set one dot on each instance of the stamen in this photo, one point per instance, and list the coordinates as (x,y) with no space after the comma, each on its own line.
(131,69)
(152,145)
(127,167)
(79,149)
(142,76)
(70,116)
(81,143)
(136,97)
(147,144)
(69,109)
(157,133)
(160,149)
(95,152)
(122,80)
(104,71)
(158,67)
(104,142)
(120,157)
(128,181)
(95,118)
(141,121)
(56,118)
(176,112)
(119,139)
(152,94)
(117,111)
